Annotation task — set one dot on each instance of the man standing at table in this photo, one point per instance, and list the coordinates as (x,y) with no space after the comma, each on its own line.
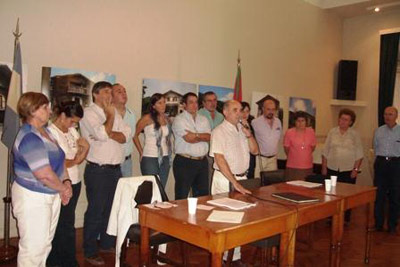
(387,170)
(231,145)
(215,118)
(120,98)
(106,133)
(268,131)
(192,134)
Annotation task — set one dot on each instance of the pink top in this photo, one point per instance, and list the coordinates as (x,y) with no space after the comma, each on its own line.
(300,146)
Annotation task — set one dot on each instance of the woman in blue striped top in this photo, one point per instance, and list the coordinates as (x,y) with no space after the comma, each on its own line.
(40,182)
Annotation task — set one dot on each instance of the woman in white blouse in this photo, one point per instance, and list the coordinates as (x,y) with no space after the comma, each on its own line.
(343,151)
(67,115)
(156,152)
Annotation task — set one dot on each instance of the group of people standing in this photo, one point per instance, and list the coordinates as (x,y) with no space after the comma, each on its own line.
(212,151)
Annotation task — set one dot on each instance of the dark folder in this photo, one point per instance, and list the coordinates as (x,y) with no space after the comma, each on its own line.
(294,197)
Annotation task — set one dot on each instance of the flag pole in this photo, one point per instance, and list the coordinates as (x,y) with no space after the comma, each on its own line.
(7,251)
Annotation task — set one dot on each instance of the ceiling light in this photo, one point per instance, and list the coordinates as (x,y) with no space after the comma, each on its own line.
(377,9)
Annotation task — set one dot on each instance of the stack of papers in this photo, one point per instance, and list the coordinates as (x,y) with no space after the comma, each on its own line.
(231,203)
(225,216)
(304,184)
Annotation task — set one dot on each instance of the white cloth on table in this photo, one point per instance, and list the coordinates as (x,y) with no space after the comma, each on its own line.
(124,212)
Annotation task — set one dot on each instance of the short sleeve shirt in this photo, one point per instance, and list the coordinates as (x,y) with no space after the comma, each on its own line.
(31,153)
(230,141)
(300,146)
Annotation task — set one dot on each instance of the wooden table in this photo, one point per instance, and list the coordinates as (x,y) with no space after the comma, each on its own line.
(264,220)
(353,196)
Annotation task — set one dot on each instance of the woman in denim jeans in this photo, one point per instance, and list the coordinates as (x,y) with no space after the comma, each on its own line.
(156,153)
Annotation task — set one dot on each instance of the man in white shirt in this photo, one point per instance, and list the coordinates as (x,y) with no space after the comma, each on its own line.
(106,133)
(119,99)
(192,134)
(231,143)
(268,131)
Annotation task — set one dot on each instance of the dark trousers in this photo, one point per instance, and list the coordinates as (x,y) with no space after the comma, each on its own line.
(63,246)
(252,166)
(387,181)
(190,173)
(343,177)
(100,183)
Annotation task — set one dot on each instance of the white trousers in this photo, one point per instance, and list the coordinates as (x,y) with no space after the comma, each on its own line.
(37,216)
(220,184)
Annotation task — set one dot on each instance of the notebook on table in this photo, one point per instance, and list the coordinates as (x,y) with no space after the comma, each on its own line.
(294,197)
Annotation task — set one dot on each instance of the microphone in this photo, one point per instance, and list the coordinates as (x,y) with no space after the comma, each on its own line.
(244,125)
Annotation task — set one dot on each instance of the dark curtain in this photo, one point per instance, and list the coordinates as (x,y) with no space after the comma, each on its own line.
(387,72)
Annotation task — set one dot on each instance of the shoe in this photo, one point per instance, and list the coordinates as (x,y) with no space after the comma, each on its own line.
(107,251)
(95,260)
(392,230)
(379,228)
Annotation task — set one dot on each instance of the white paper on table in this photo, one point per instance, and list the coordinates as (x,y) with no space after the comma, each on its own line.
(304,184)
(226,216)
(204,207)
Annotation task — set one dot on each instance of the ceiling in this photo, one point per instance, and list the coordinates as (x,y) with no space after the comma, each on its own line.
(353,8)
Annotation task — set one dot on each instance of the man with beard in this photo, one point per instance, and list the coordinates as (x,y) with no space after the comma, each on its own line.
(268,130)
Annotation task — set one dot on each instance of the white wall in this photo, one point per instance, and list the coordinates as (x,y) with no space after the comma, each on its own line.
(289,48)
(361,41)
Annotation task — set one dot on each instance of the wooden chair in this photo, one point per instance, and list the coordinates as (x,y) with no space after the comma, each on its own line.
(144,196)
(267,246)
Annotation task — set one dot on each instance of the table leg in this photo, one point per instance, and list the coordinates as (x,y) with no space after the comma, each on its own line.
(216,259)
(287,248)
(336,238)
(144,246)
(370,228)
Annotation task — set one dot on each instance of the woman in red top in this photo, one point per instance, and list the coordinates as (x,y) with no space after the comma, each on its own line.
(299,144)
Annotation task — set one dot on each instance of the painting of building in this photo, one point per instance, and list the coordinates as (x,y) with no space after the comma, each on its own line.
(71,84)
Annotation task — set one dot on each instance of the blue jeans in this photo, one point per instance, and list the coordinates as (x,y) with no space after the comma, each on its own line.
(63,246)
(150,166)
(126,168)
(101,183)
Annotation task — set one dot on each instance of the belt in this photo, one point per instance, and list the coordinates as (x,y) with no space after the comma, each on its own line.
(110,166)
(388,158)
(128,157)
(268,157)
(191,157)
(238,175)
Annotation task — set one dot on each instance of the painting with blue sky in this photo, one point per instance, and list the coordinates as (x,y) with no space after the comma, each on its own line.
(72,84)
(172,91)
(223,93)
(302,104)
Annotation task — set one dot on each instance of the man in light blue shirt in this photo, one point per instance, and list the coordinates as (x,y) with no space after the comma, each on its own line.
(215,118)
(387,170)
(210,111)
(192,134)
(119,99)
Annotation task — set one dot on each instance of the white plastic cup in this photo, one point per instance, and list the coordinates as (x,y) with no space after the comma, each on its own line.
(333,180)
(192,205)
(328,185)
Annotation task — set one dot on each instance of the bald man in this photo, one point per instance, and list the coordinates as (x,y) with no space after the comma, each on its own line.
(231,143)
(387,170)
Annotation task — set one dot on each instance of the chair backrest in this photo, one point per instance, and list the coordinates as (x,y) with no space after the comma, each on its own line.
(249,184)
(272,177)
(316,178)
(163,194)
(144,193)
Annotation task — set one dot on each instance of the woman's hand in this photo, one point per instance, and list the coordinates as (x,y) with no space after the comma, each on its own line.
(66,193)
(354,174)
